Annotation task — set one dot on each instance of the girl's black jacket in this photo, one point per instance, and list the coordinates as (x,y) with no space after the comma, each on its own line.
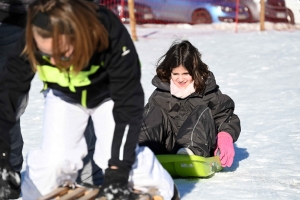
(118,78)
(221,106)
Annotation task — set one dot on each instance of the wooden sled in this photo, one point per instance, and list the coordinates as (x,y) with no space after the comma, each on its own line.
(66,193)
(85,193)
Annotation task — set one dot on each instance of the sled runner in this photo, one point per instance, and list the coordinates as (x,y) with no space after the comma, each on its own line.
(190,165)
(80,192)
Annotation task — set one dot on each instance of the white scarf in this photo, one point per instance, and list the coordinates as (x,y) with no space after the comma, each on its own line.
(181,92)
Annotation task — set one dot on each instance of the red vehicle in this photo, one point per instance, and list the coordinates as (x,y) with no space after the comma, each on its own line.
(276,11)
(143,13)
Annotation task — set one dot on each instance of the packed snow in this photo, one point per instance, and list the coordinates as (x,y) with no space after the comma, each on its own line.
(260,71)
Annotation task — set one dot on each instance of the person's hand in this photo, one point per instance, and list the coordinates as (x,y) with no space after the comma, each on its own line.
(9,179)
(225,149)
(115,185)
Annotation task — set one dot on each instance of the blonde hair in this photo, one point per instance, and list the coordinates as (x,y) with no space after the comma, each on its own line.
(78,20)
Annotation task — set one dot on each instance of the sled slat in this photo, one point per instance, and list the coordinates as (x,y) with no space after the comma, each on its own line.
(73,194)
(158,198)
(90,194)
(150,195)
(57,192)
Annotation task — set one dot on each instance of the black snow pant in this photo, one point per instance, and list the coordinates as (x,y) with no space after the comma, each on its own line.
(16,146)
(160,133)
(9,35)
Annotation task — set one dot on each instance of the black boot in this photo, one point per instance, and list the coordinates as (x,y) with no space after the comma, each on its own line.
(9,179)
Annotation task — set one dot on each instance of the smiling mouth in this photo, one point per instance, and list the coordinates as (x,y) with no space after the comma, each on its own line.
(182,84)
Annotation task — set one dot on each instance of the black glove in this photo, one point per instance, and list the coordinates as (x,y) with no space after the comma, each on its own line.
(9,179)
(115,185)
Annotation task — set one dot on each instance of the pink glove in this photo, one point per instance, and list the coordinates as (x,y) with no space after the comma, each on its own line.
(225,148)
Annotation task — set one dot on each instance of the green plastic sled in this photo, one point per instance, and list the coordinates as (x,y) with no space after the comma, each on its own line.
(190,165)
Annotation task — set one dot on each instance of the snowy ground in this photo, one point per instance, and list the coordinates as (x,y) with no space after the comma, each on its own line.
(260,71)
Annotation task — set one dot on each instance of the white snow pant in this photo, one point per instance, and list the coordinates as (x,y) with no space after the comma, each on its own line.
(63,146)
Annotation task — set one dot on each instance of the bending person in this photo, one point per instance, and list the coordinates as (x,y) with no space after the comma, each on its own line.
(187,113)
(12,24)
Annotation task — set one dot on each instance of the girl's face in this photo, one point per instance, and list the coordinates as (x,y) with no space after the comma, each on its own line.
(45,47)
(181,77)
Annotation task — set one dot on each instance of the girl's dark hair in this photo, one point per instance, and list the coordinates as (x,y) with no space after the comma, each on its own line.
(185,54)
(78,20)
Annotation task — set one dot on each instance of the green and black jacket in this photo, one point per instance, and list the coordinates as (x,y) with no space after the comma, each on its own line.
(114,73)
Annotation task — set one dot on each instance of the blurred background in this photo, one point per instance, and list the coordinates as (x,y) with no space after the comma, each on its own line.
(206,11)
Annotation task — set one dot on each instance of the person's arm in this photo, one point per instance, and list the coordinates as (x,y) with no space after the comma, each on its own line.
(124,73)
(228,125)
(222,107)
